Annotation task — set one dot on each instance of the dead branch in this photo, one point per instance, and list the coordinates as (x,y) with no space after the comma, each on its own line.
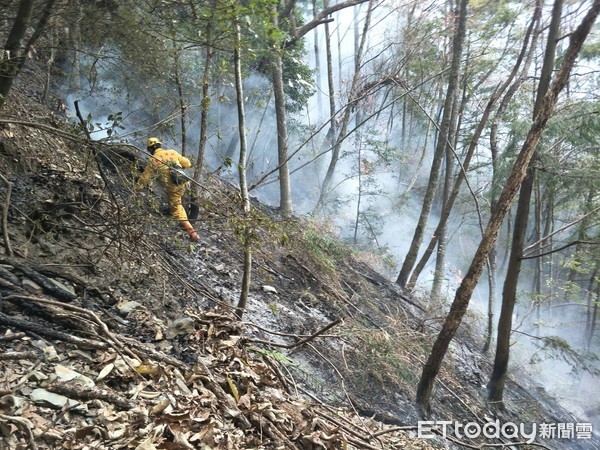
(394,429)
(12,337)
(18,355)
(271,430)
(556,250)
(295,344)
(47,128)
(482,446)
(151,353)
(276,333)
(570,224)
(90,393)
(50,333)
(43,281)
(342,379)
(273,365)
(5,207)
(85,312)
(361,434)
(322,18)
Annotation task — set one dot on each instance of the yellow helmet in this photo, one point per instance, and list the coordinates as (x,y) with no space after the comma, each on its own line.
(153,141)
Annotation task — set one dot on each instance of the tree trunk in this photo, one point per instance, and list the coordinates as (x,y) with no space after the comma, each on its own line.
(12,64)
(470,152)
(581,236)
(594,314)
(352,99)
(509,292)
(519,170)
(247,232)
(318,65)
(181,98)
(533,32)
(411,256)
(442,236)
(12,60)
(205,106)
(331,134)
(285,195)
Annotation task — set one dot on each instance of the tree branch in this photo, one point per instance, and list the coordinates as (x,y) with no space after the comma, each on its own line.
(549,252)
(299,343)
(321,18)
(570,224)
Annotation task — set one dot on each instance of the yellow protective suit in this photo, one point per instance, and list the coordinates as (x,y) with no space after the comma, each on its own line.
(157,167)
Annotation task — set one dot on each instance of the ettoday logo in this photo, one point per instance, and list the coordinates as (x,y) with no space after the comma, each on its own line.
(527,433)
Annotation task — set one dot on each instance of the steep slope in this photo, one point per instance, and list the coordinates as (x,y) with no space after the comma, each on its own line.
(118,333)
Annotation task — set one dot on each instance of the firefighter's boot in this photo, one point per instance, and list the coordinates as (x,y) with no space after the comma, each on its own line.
(190,230)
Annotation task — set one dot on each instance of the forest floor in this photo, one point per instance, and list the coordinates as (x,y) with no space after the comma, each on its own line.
(117,332)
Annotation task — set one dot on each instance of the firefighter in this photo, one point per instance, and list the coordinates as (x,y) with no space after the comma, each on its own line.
(161,164)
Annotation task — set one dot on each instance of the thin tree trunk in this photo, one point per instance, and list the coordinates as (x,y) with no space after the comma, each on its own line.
(469,154)
(581,236)
(330,86)
(205,107)
(49,65)
(335,155)
(317,65)
(440,259)
(181,98)
(75,42)
(465,290)
(411,256)
(594,316)
(247,270)
(590,303)
(536,281)
(509,292)
(12,63)
(360,190)
(285,194)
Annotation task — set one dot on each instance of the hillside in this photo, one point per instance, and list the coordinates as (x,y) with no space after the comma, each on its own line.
(116,332)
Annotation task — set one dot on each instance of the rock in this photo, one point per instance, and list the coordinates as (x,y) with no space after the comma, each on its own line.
(31,286)
(66,374)
(64,286)
(43,396)
(128,306)
(184,325)
(269,289)
(13,405)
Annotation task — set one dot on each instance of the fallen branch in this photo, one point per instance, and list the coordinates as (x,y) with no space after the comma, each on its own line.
(89,393)
(277,333)
(19,355)
(85,312)
(295,344)
(151,353)
(12,337)
(47,285)
(50,333)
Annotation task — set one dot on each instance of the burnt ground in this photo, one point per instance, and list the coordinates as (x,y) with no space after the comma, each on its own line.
(116,332)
